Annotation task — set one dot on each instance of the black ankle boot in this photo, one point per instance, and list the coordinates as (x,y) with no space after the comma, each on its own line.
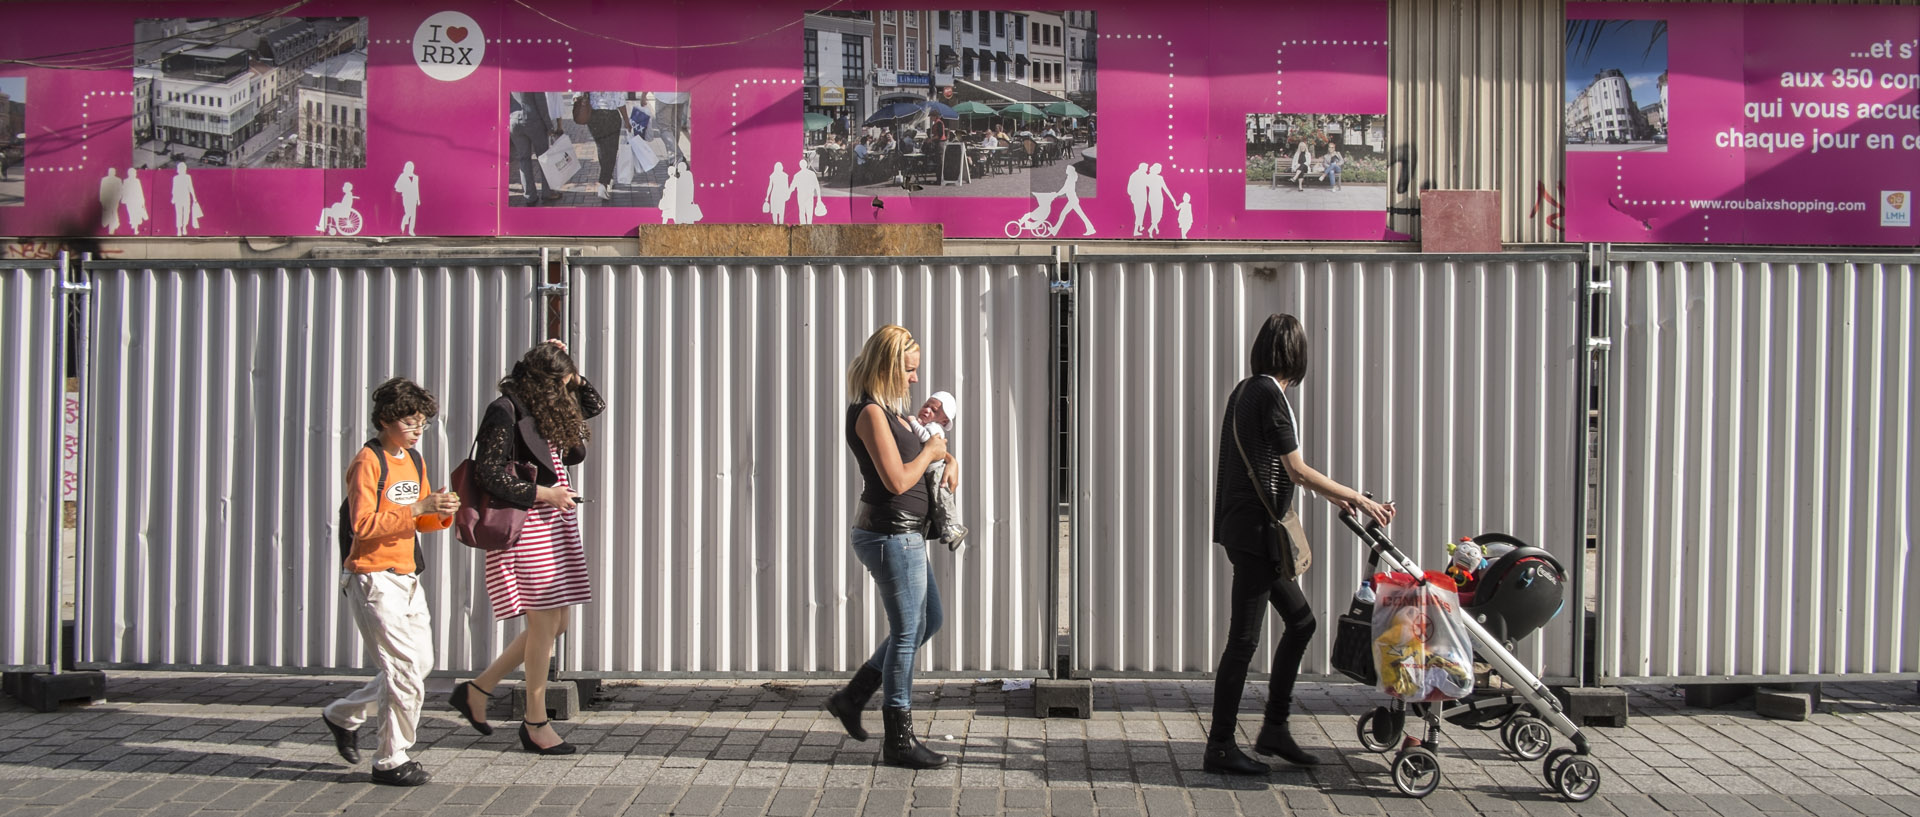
(1224,757)
(1277,740)
(903,747)
(851,700)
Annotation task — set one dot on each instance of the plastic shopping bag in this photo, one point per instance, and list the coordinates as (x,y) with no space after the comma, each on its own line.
(559,163)
(643,156)
(1421,648)
(623,167)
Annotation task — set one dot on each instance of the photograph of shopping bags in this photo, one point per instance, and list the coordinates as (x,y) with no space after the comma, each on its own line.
(559,163)
(643,156)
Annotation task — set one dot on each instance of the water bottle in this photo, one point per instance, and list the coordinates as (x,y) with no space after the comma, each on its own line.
(1365,594)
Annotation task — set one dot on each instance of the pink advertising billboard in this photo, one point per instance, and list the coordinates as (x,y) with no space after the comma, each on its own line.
(1232,120)
(1742,124)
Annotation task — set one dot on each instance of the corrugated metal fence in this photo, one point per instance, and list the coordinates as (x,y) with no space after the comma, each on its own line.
(720,473)
(1447,384)
(32,330)
(224,403)
(1760,439)
(1758,427)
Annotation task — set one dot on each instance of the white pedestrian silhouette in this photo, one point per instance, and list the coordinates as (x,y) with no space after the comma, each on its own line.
(1137,192)
(133,193)
(778,191)
(670,197)
(186,205)
(1073,202)
(110,190)
(1185,207)
(1157,197)
(685,211)
(408,186)
(806,191)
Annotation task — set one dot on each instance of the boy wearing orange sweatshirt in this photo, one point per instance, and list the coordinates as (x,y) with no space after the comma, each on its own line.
(382,585)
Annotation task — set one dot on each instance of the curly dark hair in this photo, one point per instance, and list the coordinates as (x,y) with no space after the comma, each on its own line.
(539,382)
(400,398)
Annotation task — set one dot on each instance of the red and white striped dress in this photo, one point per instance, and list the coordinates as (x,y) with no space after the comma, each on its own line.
(547,568)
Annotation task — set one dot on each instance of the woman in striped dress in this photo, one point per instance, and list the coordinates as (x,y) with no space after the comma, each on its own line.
(527,438)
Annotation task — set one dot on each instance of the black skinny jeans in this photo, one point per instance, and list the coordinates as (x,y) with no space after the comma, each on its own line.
(604,127)
(1255,584)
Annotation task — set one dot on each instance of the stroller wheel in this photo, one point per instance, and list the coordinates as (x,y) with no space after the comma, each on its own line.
(1416,772)
(1529,738)
(1377,730)
(1551,768)
(1578,779)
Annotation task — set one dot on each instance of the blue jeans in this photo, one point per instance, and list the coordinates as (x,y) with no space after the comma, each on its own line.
(907,588)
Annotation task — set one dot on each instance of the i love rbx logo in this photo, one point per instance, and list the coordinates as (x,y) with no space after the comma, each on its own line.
(449,46)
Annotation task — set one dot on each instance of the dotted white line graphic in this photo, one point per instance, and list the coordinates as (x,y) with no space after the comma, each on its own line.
(1279,59)
(86,118)
(1620,190)
(1171,162)
(733,131)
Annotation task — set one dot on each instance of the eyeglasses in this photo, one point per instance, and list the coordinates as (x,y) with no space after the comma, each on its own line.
(421,426)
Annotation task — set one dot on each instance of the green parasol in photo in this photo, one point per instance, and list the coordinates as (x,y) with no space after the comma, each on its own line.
(1022,110)
(817,121)
(971,108)
(1065,108)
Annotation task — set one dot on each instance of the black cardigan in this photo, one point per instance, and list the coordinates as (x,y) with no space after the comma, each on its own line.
(504,442)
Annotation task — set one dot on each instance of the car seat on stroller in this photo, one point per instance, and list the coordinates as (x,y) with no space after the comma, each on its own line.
(1517,594)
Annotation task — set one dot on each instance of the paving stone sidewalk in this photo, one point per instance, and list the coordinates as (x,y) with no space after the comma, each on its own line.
(168,744)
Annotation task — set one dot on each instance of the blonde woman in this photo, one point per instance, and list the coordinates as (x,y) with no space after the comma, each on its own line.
(889,537)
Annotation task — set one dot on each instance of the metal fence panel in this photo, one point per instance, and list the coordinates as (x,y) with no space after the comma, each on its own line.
(1760,431)
(721,479)
(32,319)
(226,404)
(1447,384)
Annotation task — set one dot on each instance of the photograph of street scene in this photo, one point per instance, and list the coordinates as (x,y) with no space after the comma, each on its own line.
(244,92)
(998,104)
(1616,85)
(1317,161)
(601,149)
(13,141)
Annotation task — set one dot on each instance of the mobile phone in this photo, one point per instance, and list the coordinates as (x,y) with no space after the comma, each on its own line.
(579,499)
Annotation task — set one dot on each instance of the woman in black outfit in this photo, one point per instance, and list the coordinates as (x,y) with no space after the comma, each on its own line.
(1268,431)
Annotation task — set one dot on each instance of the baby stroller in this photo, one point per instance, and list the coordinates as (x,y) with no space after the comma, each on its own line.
(1514,596)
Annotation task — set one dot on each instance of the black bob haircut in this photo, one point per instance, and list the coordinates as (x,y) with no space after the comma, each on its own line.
(1280,349)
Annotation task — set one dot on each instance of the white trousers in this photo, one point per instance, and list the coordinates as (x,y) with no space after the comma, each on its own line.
(391,612)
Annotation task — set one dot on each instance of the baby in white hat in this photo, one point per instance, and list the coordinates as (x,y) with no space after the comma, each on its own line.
(934,419)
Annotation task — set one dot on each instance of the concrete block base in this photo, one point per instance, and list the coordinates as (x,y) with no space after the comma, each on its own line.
(563,702)
(1791,702)
(1062,698)
(1595,706)
(46,691)
(1711,696)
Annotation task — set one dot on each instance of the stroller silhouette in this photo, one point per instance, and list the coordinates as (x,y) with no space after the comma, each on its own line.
(1035,223)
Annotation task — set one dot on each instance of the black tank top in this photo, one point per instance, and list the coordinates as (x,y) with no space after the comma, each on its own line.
(874,492)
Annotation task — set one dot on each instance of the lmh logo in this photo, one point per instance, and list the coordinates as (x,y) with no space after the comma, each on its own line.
(1896,208)
(449,46)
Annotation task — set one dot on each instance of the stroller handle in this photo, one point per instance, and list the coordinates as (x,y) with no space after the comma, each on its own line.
(1378,543)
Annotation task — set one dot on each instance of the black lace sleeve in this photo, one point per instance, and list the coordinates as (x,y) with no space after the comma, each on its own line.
(495,459)
(591,403)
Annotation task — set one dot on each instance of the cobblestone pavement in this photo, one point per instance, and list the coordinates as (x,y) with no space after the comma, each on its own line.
(165,744)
